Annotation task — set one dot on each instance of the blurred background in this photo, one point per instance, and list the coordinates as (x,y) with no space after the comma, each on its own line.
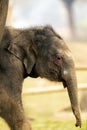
(66,16)
(46,102)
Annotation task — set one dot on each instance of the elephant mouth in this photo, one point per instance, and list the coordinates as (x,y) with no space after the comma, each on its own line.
(64,83)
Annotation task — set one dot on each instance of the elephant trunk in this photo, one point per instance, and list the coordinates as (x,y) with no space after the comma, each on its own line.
(71,84)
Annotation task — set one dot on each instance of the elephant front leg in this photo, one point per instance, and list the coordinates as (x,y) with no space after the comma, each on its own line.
(17,119)
(13,114)
(21,125)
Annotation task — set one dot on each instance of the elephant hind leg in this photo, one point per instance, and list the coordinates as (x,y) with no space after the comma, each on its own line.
(13,113)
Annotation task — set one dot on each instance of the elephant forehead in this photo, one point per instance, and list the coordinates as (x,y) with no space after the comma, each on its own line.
(64,51)
(68,53)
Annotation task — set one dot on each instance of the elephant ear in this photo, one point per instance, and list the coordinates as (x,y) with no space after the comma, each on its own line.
(29,60)
(24,54)
(13,49)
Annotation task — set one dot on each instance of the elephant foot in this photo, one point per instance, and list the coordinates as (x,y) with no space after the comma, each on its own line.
(21,126)
(26,126)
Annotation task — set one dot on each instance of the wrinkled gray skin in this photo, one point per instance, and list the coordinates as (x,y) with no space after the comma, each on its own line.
(34,52)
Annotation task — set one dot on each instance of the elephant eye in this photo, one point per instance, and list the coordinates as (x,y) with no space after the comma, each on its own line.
(58,59)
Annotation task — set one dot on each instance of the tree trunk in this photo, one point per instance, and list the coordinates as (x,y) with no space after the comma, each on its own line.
(71,22)
(3,15)
(71,19)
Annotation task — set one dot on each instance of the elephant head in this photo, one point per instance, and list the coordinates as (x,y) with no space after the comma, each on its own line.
(55,62)
(45,54)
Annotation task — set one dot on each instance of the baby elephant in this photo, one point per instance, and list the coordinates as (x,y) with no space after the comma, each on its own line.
(33,52)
